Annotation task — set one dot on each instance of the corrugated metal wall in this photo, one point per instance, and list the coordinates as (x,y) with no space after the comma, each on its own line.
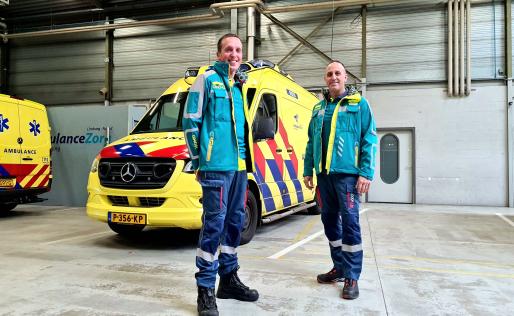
(488,41)
(512,24)
(148,59)
(306,67)
(58,70)
(404,45)
(401,49)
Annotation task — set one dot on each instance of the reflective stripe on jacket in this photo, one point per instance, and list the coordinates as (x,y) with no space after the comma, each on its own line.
(208,122)
(352,142)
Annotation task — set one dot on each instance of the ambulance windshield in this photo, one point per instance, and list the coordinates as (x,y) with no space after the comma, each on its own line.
(165,115)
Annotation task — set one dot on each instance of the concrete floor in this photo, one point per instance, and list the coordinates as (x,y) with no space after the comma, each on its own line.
(419,260)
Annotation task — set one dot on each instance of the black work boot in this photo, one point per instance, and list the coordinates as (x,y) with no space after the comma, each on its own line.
(206,302)
(330,277)
(231,287)
(350,289)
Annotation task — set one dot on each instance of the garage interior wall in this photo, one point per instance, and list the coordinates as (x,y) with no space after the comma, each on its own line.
(305,66)
(58,70)
(69,70)
(148,59)
(457,139)
(512,24)
(461,153)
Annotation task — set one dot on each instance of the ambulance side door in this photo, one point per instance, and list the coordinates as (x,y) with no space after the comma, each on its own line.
(35,146)
(293,139)
(269,161)
(9,147)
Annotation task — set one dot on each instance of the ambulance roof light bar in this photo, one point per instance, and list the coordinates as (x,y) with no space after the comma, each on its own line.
(191,72)
(263,63)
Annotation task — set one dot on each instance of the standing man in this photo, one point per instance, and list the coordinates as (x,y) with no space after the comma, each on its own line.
(217,135)
(341,149)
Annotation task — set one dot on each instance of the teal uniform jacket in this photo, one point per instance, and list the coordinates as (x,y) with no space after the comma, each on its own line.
(209,122)
(352,142)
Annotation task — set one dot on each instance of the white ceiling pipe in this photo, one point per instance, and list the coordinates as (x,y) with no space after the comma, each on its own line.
(450,48)
(105,27)
(330,5)
(456,35)
(216,10)
(468,47)
(250,29)
(216,14)
(462,49)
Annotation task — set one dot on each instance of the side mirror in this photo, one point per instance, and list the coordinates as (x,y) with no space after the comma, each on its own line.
(263,129)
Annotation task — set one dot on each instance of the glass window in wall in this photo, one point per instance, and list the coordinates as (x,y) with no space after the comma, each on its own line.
(389,158)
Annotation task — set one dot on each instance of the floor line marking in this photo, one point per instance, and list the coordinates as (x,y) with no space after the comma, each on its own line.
(459,272)
(306,229)
(77,237)
(302,242)
(505,219)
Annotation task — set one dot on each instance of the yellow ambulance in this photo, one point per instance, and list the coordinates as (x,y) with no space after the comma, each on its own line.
(25,169)
(146,179)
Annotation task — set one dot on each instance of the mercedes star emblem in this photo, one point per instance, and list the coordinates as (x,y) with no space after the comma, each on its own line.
(128,172)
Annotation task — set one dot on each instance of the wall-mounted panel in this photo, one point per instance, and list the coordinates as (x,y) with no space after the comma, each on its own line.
(487,41)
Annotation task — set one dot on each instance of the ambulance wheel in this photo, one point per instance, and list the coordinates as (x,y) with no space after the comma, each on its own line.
(126,230)
(251,218)
(315,209)
(6,207)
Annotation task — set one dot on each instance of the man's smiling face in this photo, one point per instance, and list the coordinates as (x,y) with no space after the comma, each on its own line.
(231,52)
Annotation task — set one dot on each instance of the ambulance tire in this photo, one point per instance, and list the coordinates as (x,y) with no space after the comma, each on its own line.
(126,230)
(315,209)
(6,207)
(251,219)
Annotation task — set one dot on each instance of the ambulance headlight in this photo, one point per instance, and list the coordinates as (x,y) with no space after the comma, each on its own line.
(94,165)
(188,167)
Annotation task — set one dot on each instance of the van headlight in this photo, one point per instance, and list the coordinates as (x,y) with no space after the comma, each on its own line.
(188,167)
(94,165)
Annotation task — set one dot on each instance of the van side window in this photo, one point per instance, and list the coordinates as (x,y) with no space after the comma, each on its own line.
(268,108)
(250,93)
(265,121)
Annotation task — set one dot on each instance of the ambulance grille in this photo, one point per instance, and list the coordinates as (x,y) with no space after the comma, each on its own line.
(143,173)
(118,200)
(151,201)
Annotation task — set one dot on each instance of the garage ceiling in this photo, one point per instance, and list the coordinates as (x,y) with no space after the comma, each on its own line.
(30,15)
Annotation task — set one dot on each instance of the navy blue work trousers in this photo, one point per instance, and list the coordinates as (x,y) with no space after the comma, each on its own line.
(339,201)
(224,200)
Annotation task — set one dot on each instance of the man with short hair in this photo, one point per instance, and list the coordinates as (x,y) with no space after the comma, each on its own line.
(341,149)
(217,135)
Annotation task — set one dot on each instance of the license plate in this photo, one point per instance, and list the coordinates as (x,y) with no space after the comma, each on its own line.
(7,183)
(127,218)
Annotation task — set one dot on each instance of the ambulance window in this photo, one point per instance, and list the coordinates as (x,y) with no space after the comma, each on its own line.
(267,108)
(250,93)
(165,115)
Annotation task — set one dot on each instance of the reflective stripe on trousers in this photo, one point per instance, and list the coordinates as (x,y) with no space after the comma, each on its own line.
(223,202)
(340,217)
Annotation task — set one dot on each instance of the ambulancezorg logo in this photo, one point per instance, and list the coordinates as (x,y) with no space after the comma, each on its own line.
(128,172)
